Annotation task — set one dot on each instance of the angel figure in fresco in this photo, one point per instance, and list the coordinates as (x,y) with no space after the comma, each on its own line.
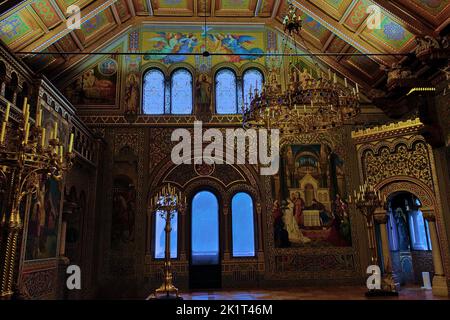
(168,42)
(235,44)
(131,94)
(291,226)
(203,90)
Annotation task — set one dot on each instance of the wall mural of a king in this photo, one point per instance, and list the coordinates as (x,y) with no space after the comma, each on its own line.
(310,189)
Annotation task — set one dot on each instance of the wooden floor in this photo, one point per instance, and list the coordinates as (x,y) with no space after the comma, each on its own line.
(332,293)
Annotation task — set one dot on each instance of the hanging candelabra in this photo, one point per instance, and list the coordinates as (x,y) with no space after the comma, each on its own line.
(26,161)
(309,101)
(368,201)
(167,202)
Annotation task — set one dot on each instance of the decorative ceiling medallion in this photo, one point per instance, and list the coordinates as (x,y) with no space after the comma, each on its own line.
(108,67)
(204,169)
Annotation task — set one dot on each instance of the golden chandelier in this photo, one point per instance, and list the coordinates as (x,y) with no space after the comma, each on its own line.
(306,103)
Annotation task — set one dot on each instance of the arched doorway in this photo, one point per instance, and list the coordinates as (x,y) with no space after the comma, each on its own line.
(204,263)
(409,239)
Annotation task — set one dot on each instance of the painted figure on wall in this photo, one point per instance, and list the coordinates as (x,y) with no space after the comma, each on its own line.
(42,234)
(312,181)
(203,92)
(123,212)
(131,94)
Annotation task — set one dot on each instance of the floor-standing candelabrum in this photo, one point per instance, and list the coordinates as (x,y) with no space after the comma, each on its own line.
(368,202)
(27,158)
(167,202)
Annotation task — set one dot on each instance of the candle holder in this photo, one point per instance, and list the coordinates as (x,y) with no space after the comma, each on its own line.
(167,202)
(26,162)
(369,202)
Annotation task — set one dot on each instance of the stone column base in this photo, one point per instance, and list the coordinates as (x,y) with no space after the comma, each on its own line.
(440,287)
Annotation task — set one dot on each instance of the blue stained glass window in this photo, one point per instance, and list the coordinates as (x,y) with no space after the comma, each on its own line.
(181,92)
(153,100)
(205,229)
(226,93)
(160,236)
(253,78)
(243,230)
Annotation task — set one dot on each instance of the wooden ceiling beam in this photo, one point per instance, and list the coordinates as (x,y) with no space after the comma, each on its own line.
(275,8)
(132,8)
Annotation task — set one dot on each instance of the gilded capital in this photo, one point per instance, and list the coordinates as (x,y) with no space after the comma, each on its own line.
(428,214)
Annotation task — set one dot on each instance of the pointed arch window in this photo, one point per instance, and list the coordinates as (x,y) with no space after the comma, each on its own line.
(154,92)
(226,92)
(242,222)
(181,92)
(252,79)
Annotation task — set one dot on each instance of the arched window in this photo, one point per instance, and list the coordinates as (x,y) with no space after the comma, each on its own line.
(160,236)
(243,230)
(253,79)
(153,93)
(226,92)
(181,92)
(205,229)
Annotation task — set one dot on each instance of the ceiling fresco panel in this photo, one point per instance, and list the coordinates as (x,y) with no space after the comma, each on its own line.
(435,12)
(46,12)
(94,28)
(241,8)
(123,10)
(141,7)
(334,8)
(266,8)
(357,15)
(172,7)
(64,4)
(392,35)
(20,28)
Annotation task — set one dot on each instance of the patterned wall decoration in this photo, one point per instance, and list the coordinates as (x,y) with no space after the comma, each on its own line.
(40,284)
(411,160)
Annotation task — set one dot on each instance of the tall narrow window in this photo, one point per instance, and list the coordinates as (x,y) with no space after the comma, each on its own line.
(160,236)
(181,92)
(226,93)
(153,95)
(253,79)
(243,230)
(205,229)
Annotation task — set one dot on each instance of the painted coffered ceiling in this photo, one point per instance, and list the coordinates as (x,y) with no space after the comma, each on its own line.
(334,26)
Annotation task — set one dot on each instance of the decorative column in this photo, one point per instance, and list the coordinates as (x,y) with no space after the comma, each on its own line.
(388,282)
(226,231)
(440,287)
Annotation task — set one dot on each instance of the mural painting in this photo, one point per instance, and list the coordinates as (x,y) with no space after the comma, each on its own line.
(123,212)
(310,209)
(96,86)
(42,236)
(160,45)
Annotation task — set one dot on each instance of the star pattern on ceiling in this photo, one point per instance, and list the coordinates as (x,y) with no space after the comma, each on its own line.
(334,26)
